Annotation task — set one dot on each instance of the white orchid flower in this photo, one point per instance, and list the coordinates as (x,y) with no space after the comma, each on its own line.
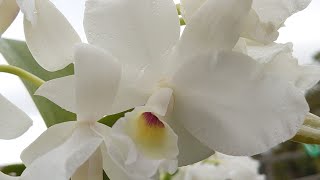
(264,20)
(83,149)
(221,167)
(221,100)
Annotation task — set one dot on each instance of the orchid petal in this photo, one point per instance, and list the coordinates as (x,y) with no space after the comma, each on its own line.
(132,92)
(114,170)
(92,169)
(255,29)
(214,26)
(62,162)
(124,153)
(14,122)
(153,137)
(8,12)
(51,44)
(191,150)
(267,16)
(61,91)
(234,97)
(7,177)
(279,57)
(48,140)
(277,11)
(28,7)
(189,7)
(97,78)
(160,100)
(139,36)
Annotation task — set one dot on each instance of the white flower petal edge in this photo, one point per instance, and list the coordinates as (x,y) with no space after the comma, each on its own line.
(97,82)
(277,11)
(220,166)
(48,140)
(14,122)
(50,43)
(64,97)
(9,9)
(139,36)
(28,8)
(215,26)
(122,160)
(6,177)
(266,110)
(264,19)
(92,169)
(279,57)
(62,162)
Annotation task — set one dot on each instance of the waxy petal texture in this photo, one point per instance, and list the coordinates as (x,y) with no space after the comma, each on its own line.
(48,140)
(277,11)
(138,33)
(61,91)
(279,57)
(97,78)
(14,122)
(63,161)
(235,106)
(51,38)
(215,26)
(92,169)
(264,19)
(191,150)
(28,8)
(8,12)
(152,137)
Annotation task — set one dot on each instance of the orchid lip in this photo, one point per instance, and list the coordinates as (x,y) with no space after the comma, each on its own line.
(152,121)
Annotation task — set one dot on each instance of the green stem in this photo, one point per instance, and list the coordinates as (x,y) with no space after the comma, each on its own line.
(22,74)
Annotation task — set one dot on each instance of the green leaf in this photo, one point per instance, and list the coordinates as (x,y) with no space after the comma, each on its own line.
(15,169)
(17,54)
(112,119)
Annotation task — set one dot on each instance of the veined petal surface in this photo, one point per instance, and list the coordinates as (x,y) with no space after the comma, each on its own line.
(9,9)
(61,91)
(235,106)
(97,78)
(138,33)
(48,140)
(51,38)
(62,162)
(14,122)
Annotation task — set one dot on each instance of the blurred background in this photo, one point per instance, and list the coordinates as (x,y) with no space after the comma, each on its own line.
(286,161)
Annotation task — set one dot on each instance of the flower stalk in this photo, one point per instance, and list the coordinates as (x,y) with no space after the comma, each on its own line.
(23,74)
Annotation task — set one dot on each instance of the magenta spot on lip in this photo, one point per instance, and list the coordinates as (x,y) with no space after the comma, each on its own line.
(152,120)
